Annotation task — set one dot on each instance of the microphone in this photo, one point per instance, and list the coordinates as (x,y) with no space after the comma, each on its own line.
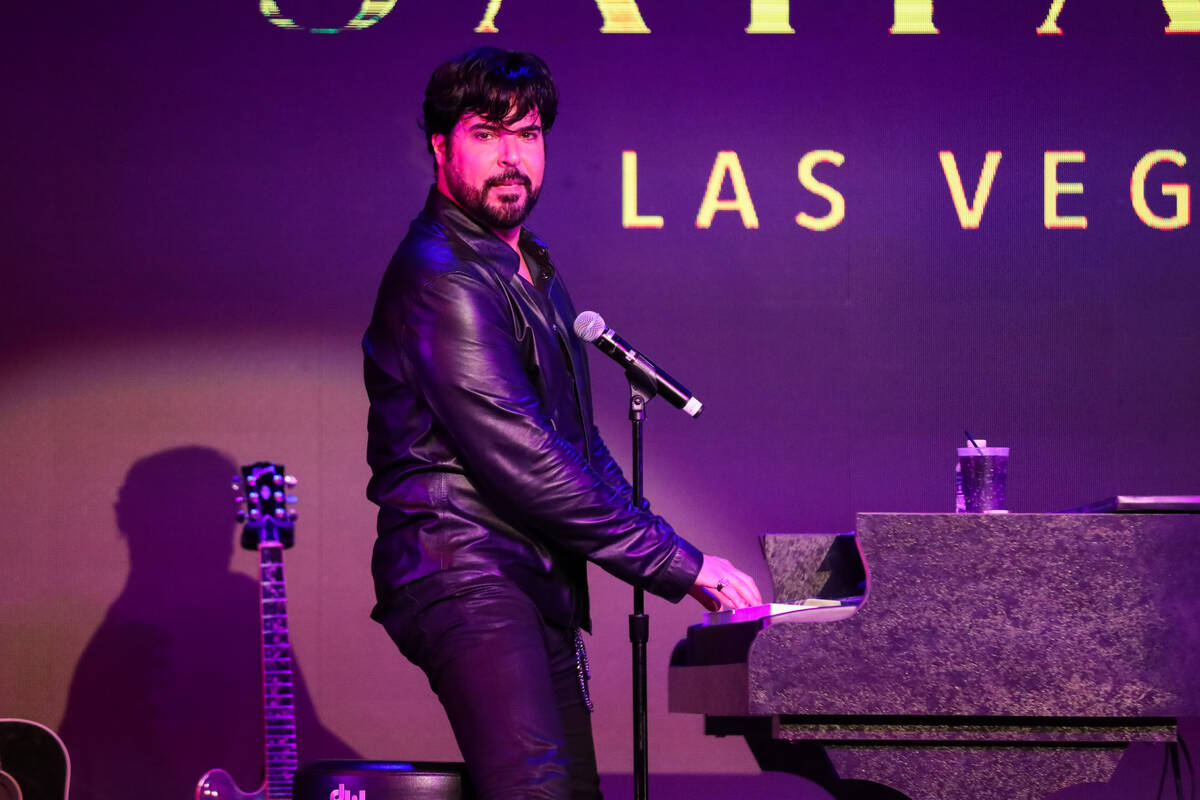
(590,327)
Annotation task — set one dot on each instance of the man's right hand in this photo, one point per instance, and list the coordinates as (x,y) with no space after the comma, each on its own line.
(721,586)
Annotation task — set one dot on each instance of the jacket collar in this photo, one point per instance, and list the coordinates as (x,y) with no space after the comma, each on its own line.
(460,224)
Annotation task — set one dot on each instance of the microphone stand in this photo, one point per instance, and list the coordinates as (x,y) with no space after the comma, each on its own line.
(641,391)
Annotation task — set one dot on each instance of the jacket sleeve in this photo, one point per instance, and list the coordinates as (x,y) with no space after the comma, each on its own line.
(459,348)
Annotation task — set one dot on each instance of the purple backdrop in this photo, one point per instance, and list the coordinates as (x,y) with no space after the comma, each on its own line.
(191,171)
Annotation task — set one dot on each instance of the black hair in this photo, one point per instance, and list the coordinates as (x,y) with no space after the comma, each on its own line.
(502,86)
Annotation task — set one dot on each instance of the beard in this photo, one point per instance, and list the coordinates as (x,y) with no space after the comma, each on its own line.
(507,209)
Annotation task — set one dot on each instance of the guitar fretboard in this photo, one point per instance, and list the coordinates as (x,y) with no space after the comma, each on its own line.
(279,708)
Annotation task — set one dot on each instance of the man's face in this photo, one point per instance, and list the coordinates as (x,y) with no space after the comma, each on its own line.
(492,170)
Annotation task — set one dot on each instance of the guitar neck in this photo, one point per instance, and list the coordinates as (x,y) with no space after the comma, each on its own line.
(279,708)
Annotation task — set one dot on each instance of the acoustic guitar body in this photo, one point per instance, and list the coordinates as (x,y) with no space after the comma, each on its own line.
(33,762)
(9,790)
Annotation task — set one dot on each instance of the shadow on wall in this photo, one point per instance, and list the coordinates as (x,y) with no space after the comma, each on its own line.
(170,685)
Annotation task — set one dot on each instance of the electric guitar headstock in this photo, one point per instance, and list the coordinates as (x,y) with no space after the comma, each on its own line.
(265,505)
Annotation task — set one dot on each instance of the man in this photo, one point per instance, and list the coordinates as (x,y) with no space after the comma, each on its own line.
(494,485)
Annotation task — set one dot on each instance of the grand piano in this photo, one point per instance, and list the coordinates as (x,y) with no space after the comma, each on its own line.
(956,656)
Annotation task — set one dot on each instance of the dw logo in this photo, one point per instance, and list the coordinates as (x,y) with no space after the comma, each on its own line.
(340,793)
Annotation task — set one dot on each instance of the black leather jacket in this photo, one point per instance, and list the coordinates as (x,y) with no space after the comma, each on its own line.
(480,435)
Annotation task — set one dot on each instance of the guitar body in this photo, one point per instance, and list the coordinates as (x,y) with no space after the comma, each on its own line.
(33,762)
(217,783)
(9,790)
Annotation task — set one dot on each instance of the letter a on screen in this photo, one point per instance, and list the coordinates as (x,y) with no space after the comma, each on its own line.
(726,163)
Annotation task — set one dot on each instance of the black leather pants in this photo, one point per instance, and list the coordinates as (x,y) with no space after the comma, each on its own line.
(509,682)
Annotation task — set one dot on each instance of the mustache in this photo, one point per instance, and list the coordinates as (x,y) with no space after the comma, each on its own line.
(508,176)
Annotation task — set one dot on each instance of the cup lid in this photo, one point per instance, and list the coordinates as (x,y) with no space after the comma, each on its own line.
(983,451)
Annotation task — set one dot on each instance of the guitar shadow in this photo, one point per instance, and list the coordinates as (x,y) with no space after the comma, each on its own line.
(170,684)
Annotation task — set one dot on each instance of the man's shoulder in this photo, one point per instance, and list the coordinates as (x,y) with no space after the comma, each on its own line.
(431,269)
(430,251)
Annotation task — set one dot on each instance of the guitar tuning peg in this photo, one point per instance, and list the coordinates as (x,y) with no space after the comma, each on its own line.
(240,516)
(277,497)
(239,500)
(291,498)
(255,513)
(292,513)
(290,480)
(251,480)
(237,485)
(277,479)
(279,513)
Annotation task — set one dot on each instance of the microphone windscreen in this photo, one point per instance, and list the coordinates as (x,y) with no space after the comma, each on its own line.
(589,325)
